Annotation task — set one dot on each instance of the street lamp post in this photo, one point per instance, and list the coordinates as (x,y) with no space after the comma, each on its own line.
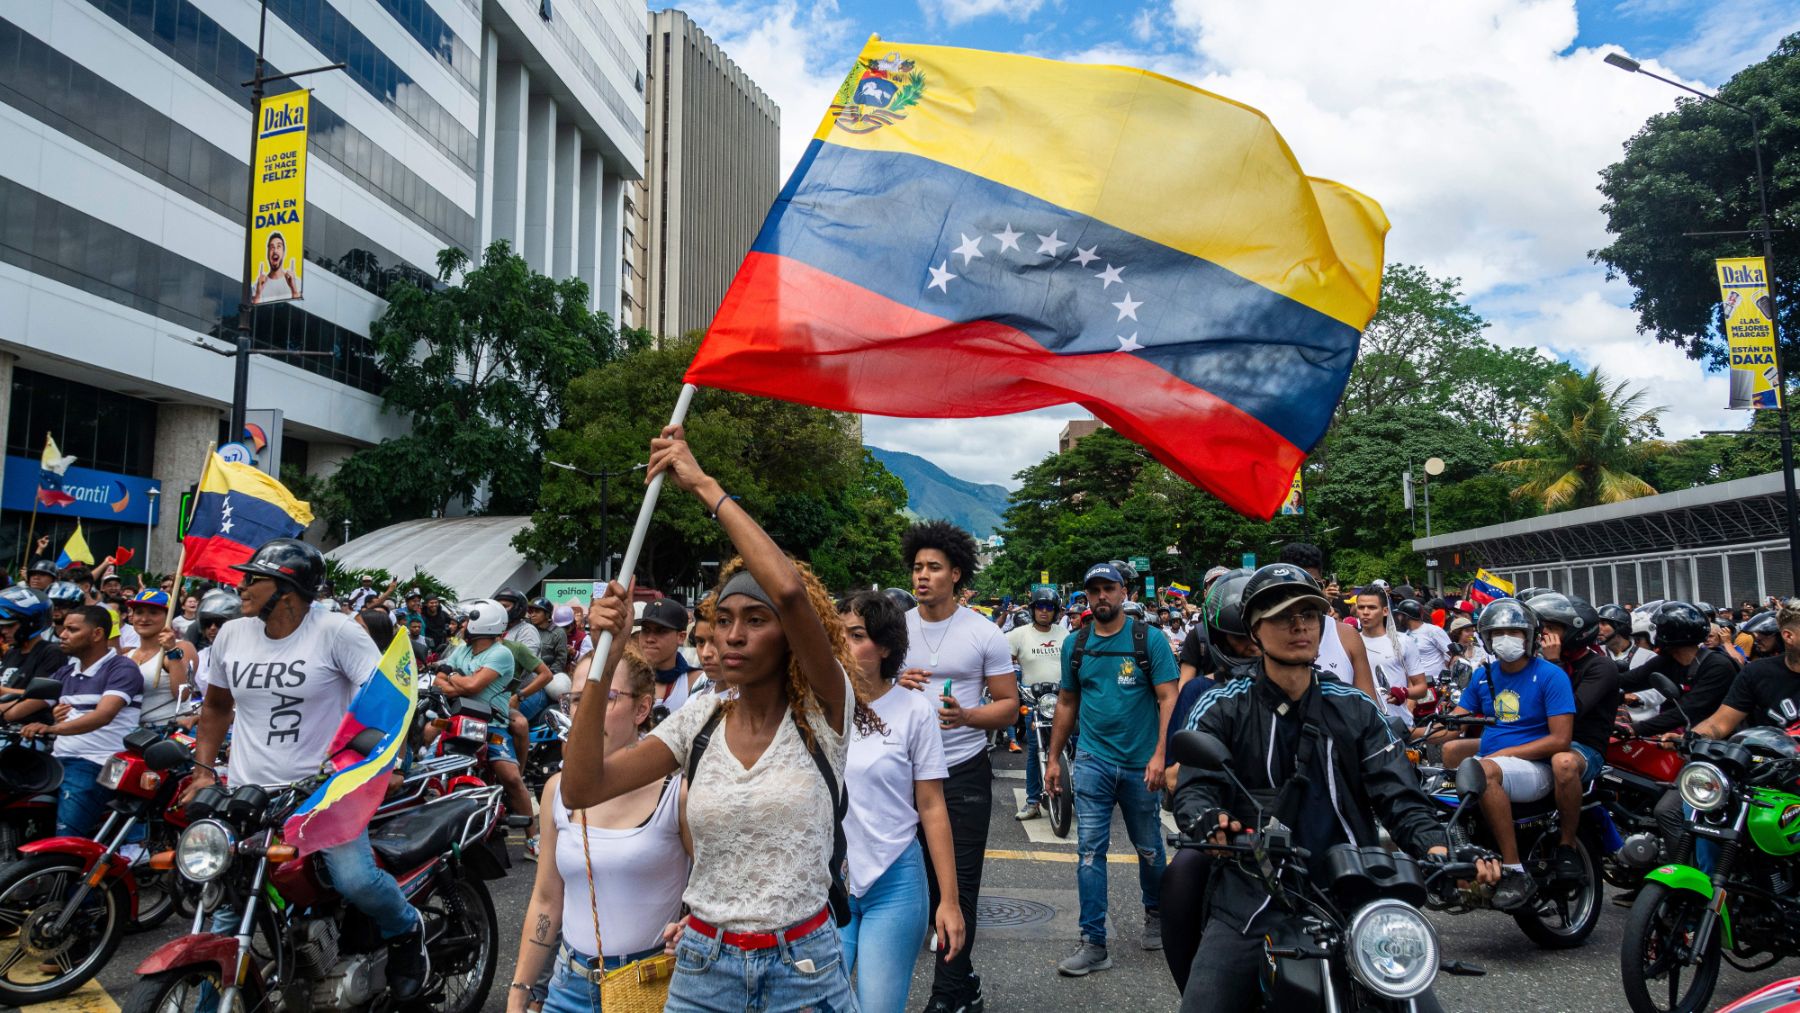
(602,475)
(1626,63)
(149,524)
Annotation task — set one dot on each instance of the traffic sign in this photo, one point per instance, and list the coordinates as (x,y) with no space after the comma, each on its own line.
(1249,560)
(1141,564)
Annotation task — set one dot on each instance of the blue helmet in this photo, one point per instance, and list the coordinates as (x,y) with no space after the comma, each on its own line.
(29,608)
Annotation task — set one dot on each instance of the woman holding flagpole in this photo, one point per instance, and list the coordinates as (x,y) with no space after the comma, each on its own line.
(765,771)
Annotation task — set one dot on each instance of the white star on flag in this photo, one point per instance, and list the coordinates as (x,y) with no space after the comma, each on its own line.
(1009,240)
(1049,244)
(940,277)
(1087,256)
(969,250)
(225,508)
(1128,308)
(1110,275)
(1130,344)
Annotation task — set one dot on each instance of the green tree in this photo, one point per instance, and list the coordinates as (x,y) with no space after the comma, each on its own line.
(479,366)
(1693,170)
(797,469)
(1590,440)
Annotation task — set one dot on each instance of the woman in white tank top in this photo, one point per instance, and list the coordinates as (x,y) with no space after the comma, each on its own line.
(148,614)
(638,853)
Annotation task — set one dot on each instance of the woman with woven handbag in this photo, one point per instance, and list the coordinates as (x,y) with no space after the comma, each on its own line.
(632,850)
(763,799)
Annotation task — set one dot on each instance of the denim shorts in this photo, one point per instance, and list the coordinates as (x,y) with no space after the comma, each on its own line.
(1593,760)
(500,748)
(805,974)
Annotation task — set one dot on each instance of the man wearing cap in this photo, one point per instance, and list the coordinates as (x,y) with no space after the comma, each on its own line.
(1118,688)
(364,594)
(659,632)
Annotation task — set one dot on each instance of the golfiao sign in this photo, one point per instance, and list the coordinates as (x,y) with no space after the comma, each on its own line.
(101,495)
(1750,332)
(278,193)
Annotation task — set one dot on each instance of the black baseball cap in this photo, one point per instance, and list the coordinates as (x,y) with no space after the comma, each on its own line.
(665,613)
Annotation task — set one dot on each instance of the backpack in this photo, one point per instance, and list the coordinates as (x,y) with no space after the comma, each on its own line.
(840,805)
(1140,650)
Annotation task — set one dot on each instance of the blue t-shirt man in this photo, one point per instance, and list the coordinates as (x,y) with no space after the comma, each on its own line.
(1521,703)
(1119,720)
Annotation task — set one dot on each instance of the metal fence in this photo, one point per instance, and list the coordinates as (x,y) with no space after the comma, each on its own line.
(1719,576)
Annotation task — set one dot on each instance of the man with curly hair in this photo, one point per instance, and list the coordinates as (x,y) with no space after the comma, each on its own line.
(954,654)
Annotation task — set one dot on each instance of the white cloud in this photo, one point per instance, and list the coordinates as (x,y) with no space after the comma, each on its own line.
(956,12)
(1725,45)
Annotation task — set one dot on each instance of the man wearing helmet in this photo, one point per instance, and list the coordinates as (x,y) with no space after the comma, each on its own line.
(483,667)
(1533,707)
(1037,651)
(1766,693)
(1343,657)
(1678,629)
(1615,637)
(41,575)
(1569,626)
(1315,754)
(1764,631)
(25,616)
(517,629)
(281,678)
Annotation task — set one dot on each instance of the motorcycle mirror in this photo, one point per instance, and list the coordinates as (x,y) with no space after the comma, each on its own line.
(1664,685)
(1471,778)
(43,689)
(166,754)
(1199,749)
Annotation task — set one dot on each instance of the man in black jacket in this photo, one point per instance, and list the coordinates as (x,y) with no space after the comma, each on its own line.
(1313,753)
(1703,675)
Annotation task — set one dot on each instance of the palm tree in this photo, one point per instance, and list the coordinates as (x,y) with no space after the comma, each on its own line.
(1589,437)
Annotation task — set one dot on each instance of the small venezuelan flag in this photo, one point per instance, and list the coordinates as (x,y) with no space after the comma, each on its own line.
(238,510)
(974,233)
(341,807)
(1486,588)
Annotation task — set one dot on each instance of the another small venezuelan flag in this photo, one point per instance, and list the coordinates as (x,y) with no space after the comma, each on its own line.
(976,233)
(341,807)
(237,511)
(1486,588)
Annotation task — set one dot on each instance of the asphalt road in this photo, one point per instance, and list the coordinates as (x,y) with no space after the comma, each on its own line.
(1029,922)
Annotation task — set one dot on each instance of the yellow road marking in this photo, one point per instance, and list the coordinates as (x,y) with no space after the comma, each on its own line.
(1065,857)
(89,998)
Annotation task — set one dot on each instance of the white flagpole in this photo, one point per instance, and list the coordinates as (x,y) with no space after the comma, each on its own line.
(641,529)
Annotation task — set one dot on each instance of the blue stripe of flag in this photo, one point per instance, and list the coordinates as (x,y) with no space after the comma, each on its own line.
(252,522)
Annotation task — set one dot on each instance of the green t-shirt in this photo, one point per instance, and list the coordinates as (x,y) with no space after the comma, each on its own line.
(525,664)
(1119,721)
(496,657)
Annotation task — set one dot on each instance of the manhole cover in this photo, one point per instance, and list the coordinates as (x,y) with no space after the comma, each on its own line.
(995,912)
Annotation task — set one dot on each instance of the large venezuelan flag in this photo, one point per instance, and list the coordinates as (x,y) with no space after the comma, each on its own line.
(237,511)
(975,233)
(341,807)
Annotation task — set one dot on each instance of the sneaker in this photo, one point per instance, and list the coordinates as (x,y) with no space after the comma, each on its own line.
(1515,889)
(976,1004)
(531,849)
(1087,957)
(1565,864)
(1028,811)
(408,965)
(1014,747)
(1152,930)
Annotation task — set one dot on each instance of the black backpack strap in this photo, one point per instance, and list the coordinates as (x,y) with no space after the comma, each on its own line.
(1140,646)
(1076,650)
(840,806)
(701,741)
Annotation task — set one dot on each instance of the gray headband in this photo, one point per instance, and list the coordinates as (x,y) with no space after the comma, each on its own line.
(742,583)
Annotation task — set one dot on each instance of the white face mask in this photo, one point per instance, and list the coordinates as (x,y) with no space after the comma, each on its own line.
(1508,648)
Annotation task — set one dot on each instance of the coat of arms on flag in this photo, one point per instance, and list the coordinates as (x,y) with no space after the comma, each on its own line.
(877,93)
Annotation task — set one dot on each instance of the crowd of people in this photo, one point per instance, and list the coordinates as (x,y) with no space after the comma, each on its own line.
(779,797)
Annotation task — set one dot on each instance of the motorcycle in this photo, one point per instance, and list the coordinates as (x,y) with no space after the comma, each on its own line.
(464,726)
(1038,701)
(1360,942)
(295,943)
(1561,914)
(1732,890)
(1638,772)
(29,779)
(73,899)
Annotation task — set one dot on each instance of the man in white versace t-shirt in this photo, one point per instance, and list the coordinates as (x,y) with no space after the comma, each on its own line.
(953,654)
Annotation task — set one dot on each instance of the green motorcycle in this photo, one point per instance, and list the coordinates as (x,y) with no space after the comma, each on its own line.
(1745,829)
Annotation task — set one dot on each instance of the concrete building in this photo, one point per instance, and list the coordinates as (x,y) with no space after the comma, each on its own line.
(1076,430)
(712,167)
(124,139)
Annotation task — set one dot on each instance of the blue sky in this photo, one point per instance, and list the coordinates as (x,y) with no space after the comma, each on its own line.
(1479,124)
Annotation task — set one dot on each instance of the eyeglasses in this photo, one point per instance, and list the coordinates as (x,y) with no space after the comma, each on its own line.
(1297,620)
(250,580)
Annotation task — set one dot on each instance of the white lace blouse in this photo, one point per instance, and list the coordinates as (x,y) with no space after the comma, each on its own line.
(762,836)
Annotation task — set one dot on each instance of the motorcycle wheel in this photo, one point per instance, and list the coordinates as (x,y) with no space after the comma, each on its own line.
(1659,924)
(1561,922)
(465,953)
(187,990)
(157,893)
(1062,804)
(32,894)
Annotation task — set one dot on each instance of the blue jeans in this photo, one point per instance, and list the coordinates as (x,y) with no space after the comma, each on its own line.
(362,884)
(712,977)
(80,803)
(887,927)
(1098,786)
(572,993)
(534,705)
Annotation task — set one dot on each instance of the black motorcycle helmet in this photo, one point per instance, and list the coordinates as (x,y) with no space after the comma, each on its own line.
(43,566)
(1528,593)
(1706,610)
(1616,617)
(1048,594)
(543,605)
(514,602)
(1274,587)
(293,565)
(1773,743)
(1677,624)
(1508,614)
(1223,613)
(901,597)
(1761,624)
(1579,620)
(1411,609)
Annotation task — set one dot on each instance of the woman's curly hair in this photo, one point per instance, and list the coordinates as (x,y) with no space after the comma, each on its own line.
(800,696)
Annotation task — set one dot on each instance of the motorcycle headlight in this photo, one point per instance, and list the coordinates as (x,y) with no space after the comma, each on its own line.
(1703,786)
(204,851)
(1393,950)
(1047,707)
(112,773)
(472,731)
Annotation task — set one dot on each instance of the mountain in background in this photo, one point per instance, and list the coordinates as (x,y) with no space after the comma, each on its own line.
(932,492)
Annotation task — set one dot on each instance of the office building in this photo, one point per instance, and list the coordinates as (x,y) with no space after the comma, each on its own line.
(712,167)
(1076,430)
(124,141)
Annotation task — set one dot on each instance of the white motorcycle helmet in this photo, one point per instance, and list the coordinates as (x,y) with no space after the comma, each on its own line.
(559,684)
(486,618)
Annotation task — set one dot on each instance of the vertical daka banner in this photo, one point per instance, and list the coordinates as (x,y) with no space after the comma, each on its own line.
(278,195)
(1750,332)
(1295,504)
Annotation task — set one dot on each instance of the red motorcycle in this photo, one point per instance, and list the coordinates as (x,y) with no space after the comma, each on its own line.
(464,727)
(29,779)
(72,898)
